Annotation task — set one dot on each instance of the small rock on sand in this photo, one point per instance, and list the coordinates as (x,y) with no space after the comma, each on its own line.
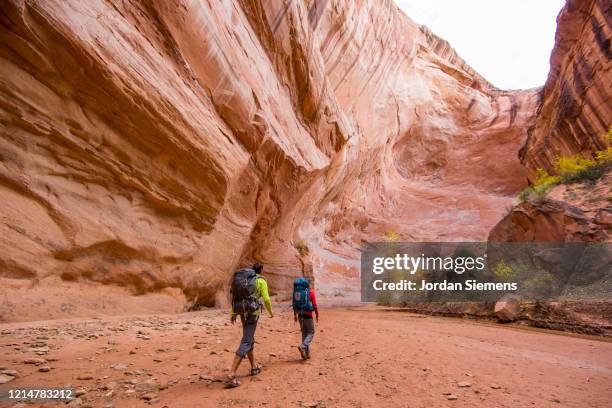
(463,384)
(151,397)
(39,350)
(147,387)
(77,402)
(35,361)
(452,397)
(6,378)
(119,367)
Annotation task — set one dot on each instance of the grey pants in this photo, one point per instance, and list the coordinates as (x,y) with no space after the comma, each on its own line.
(308,330)
(249,324)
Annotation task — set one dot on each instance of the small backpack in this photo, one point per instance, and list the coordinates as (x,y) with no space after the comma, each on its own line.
(301,296)
(243,288)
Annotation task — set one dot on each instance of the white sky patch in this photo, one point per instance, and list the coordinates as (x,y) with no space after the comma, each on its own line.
(506,41)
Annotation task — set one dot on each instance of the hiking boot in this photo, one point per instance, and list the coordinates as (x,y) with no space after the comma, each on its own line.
(303,352)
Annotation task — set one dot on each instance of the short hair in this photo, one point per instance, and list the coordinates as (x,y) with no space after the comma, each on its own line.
(258,267)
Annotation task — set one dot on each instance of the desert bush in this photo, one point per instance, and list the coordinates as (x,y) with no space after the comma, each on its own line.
(543,283)
(391,236)
(503,271)
(570,169)
(540,187)
(525,194)
(302,248)
(573,164)
(589,174)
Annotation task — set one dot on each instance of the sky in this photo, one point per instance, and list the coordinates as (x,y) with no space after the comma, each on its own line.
(506,41)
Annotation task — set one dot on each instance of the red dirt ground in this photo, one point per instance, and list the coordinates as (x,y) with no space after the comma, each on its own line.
(361,357)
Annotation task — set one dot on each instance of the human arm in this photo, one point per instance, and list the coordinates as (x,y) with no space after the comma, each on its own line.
(313,300)
(265,295)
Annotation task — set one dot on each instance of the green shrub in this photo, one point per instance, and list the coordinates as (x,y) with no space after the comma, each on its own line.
(543,283)
(571,169)
(545,179)
(525,194)
(566,166)
(503,271)
(590,174)
(604,156)
(302,248)
(391,236)
(540,187)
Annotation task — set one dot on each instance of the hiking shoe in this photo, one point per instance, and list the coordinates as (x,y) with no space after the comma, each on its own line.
(231,382)
(302,352)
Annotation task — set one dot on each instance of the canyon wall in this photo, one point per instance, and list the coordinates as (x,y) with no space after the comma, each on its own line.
(574,115)
(573,118)
(149,148)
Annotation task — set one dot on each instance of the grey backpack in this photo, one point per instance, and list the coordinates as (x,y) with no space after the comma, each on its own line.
(243,288)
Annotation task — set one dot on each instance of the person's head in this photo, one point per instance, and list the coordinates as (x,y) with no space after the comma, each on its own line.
(258,268)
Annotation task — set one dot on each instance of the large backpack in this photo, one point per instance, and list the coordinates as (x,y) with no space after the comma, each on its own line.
(301,296)
(243,288)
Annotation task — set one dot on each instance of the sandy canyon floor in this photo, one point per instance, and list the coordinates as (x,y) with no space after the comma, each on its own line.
(362,357)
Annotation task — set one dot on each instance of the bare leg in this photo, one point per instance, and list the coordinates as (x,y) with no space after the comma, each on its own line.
(251,358)
(235,365)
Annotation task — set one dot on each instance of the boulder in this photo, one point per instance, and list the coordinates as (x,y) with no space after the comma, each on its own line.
(507,309)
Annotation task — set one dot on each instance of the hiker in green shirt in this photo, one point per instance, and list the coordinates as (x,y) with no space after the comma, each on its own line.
(249,324)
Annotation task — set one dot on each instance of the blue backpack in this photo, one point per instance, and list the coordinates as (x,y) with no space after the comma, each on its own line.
(301,296)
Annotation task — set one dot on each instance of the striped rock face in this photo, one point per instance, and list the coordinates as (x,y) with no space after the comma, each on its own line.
(574,118)
(150,148)
(576,110)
